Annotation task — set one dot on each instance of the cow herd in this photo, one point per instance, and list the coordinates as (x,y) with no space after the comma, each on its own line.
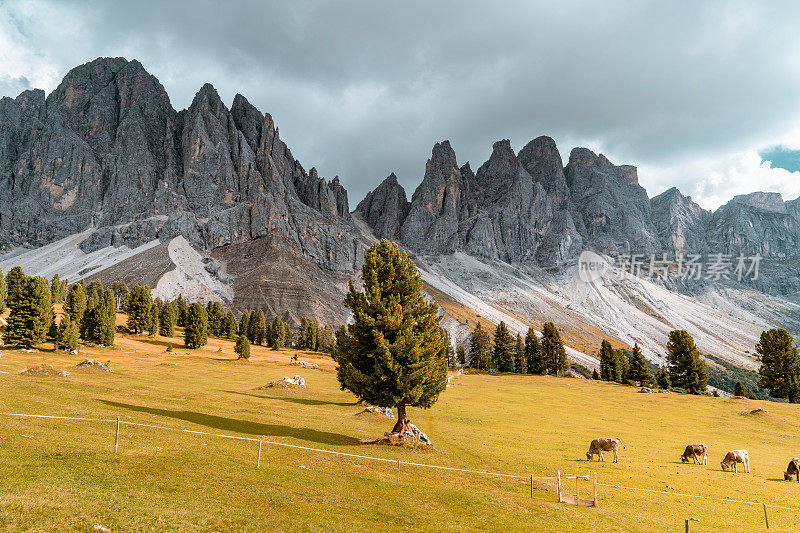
(697,453)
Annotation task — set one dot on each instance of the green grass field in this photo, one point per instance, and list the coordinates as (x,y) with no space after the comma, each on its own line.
(58,475)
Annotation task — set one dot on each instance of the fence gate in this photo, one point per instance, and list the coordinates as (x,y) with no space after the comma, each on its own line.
(576,500)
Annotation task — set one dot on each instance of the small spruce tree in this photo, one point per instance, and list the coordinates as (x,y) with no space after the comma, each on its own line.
(242,347)
(780,364)
(480,348)
(533,354)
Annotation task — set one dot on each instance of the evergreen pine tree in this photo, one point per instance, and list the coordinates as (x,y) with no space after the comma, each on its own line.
(519,356)
(686,369)
(216,314)
(31,311)
(533,354)
(14,280)
(595,375)
(326,339)
(480,347)
(503,357)
(67,335)
(244,323)
(229,325)
(152,319)
(196,328)
(242,347)
(180,311)
(90,318)
(637,368)
(277,333)
(608,361)
(259,328)
(393,354)
(780,364)
(461,355)
(662,379)
(140,304)
(57,289)
(75,303)
(167,319)
(553,353)
(121,292)
(740,390)
(107,323)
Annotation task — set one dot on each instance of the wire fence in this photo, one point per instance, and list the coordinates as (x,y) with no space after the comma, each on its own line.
(399,462)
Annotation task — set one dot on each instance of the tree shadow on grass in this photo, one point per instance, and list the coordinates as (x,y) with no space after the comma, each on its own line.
(242,426)
(158,342)
(301,401)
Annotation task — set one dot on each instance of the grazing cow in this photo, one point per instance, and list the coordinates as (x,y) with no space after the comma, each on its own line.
(793,470)
(598,446)
(733,457)
(693,451)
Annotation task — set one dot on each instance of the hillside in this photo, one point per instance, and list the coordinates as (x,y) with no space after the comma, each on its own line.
(63,475)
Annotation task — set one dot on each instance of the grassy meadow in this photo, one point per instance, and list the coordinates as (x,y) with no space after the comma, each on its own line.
(59,475)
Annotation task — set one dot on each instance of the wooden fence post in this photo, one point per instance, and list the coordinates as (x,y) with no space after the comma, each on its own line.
(398,470)
(258,463)
(558,486)
(531,485)
(116,438)
(766,519)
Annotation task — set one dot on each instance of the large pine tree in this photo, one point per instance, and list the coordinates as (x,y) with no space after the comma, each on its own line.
(686,369)
(780,364)
(31,311)
(393,354)
(67,335)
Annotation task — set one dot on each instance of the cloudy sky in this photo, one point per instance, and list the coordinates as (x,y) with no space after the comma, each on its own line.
(700,95)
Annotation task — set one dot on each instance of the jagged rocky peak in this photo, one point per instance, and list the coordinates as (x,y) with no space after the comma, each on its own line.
(107,150)
(499,173)
(542,160)
(680,222)
(385,208)
(615,209)
(432,222)
(768,201)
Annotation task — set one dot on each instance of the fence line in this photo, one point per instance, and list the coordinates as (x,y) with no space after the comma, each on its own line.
(283,444)
(381,459)
(716,498)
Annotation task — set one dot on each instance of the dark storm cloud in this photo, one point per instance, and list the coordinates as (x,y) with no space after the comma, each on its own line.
(362,89)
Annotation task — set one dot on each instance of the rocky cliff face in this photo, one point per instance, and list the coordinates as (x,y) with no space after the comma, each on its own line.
(106,149)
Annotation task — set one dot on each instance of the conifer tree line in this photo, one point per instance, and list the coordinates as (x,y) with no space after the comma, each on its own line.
(504,352)
(89,314)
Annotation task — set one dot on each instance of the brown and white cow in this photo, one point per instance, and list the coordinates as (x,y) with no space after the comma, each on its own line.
(733,458)
(793,470)
(598,446)
(693,451)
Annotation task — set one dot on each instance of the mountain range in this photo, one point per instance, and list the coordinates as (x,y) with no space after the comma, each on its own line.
(103,178)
